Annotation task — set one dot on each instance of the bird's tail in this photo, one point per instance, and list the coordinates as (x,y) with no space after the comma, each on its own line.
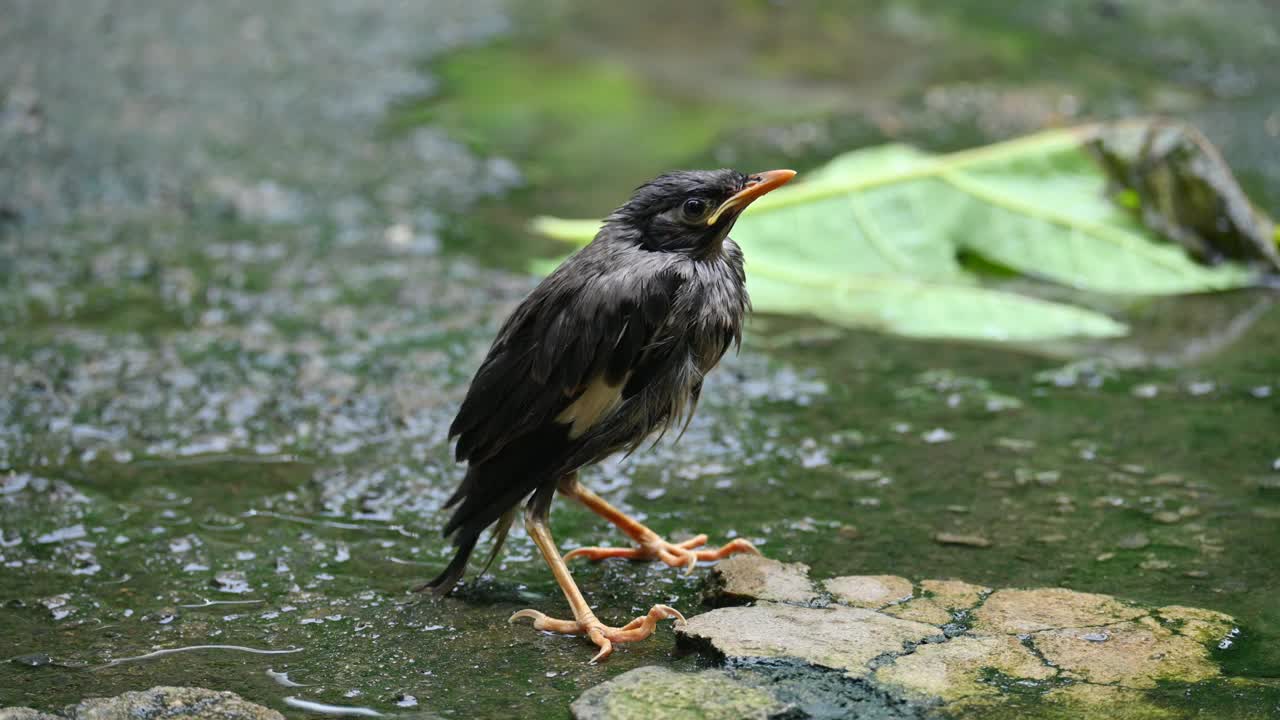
(490,493)
(466,542)
(444,582)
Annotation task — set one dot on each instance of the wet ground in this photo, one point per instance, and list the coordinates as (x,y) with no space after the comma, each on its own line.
(249,260)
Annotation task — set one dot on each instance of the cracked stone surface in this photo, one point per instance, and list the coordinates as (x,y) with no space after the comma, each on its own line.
(953,670)
(836,637)
(956,646)
(941,602)
(1133,654)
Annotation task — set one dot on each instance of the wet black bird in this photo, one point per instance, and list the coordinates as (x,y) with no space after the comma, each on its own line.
(609,349)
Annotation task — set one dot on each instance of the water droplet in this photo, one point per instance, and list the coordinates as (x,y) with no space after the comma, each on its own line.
(73,532)
(1203,387)
(231,581)
(937,435)
(1145,391)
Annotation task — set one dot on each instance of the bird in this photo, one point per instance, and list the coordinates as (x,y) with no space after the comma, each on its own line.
(608,350)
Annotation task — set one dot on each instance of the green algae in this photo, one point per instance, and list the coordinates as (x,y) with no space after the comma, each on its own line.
(659,694)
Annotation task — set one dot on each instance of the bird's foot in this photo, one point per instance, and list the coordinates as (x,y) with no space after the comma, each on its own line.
(682,554)
(602,635)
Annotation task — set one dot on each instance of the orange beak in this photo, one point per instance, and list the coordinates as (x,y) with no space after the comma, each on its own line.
(757,186)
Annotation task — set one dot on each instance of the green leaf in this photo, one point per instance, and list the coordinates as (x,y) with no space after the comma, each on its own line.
(871,239)
(928,310)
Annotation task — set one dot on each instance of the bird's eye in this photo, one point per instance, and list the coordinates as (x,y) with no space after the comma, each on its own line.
(694,209)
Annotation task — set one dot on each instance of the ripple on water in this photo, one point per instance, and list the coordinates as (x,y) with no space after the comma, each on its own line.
(328,709)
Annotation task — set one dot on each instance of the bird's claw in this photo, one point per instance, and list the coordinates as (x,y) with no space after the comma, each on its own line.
(602,635)
(681,554)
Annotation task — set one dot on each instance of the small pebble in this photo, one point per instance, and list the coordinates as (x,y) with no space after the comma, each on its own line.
(1166,517)
(1136,541)
(848,532)
(1015,444)
(967,540)
(34,660)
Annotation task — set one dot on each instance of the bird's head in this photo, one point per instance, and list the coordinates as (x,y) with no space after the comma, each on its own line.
(691,211)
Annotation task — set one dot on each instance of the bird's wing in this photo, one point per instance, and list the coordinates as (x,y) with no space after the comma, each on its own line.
(564,355)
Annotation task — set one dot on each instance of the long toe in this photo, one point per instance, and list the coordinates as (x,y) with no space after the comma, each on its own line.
(733,547)
(603,636)
(643,626)
(683,554)
(548,624)
(604,553)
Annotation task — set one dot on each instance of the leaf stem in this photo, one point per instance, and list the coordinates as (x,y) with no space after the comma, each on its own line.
(1047,141)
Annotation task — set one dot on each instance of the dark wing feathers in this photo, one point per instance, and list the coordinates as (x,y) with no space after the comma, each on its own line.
(572,328)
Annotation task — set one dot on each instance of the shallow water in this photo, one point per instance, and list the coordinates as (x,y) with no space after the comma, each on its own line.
(234,332)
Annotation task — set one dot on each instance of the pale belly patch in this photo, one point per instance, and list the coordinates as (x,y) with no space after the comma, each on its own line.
(595,402)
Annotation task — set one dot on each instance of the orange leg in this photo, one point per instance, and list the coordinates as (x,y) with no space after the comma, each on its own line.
(584,621)
(651,545)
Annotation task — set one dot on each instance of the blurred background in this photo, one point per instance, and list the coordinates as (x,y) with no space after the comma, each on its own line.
(251,253)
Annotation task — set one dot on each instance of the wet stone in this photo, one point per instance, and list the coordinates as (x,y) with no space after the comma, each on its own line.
(34,660)
(744,578)
(1023,611)
(869,591)
(158,702)
(22,713)
(964,648)
(836,637)
(954,669)
(1135,654)
(1198,623)
(940,604)
(656,693)
(816,693)
(954,594)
